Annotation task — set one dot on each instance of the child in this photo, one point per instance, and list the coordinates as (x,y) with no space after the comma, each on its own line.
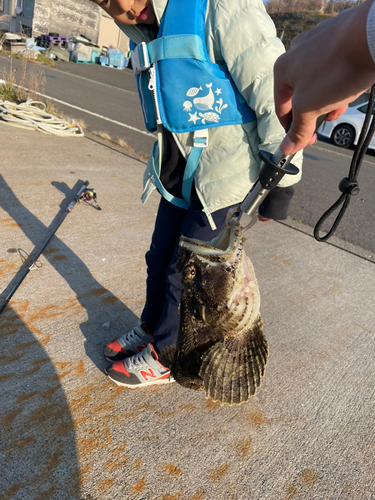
(241,38)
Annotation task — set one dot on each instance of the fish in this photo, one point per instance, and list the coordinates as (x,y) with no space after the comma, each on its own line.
(193,91)
(221,348)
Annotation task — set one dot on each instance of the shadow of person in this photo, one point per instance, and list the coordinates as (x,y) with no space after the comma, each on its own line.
(38,454)
(99,303)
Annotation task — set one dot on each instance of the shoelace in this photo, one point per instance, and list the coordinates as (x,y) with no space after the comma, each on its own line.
(130,336)
(135,361)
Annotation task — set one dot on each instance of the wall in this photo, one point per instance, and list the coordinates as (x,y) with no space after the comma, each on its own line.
(68,18)
(110,34)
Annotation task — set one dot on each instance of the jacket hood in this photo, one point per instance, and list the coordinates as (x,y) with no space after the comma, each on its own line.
(144,32)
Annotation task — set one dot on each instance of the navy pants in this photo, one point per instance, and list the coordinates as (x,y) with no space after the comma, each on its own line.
(160,313)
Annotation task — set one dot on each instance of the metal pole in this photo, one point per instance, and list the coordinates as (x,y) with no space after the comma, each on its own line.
(67,211)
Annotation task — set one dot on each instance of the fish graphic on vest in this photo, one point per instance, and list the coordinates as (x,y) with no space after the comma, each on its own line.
(206,102)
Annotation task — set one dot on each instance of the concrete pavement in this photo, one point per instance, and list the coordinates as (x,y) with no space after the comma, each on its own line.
(67,432)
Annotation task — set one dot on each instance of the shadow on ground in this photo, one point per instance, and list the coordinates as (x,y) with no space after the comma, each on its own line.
(39,448)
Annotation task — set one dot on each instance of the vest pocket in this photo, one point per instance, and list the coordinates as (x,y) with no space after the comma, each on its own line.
(146,101)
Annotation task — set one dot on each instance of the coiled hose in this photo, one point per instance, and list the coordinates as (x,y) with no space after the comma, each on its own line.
(32,115)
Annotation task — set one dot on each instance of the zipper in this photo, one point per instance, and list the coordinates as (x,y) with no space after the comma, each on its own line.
(140,88)
(152,88)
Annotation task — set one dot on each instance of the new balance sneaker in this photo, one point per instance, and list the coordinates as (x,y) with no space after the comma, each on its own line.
(140,370)
(128,344)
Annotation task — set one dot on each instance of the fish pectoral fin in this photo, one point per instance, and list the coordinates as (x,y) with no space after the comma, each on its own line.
(232,370)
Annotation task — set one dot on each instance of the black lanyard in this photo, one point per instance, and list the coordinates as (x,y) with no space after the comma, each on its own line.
(349,185)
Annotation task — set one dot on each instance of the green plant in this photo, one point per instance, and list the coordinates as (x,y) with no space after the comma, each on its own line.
(8,92)
(47,61)
(31,85)
(40,58)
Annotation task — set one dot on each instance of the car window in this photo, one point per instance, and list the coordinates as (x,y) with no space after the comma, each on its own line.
(363,108)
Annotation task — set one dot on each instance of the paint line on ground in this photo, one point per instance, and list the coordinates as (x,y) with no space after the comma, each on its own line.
(67,73)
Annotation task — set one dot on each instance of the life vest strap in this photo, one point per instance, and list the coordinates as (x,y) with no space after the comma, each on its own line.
(176,47)
(200,141)
(167,47)
(179,202)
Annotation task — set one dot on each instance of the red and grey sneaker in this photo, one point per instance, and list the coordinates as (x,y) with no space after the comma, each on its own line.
(128,344)
(140,370)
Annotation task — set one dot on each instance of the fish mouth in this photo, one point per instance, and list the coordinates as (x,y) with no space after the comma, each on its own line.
(226,246)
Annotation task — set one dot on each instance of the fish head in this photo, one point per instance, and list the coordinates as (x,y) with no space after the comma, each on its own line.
(211,273)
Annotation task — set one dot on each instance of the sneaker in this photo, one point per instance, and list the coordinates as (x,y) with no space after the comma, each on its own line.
(128,344)
(140,370)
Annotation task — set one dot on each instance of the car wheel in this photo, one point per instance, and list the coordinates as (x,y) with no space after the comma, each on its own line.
(343,136)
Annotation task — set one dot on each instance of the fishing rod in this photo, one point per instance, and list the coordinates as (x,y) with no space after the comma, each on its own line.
(85,194)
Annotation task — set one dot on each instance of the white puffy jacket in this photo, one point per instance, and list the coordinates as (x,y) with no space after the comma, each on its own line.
(241,35)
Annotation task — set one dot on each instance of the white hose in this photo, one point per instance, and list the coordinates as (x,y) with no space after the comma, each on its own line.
(29,115)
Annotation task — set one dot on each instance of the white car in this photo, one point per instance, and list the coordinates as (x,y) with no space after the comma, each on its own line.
(345,130)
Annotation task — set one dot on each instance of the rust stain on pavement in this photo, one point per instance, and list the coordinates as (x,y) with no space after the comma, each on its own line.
(176,496)
(198,496)
(116,465)
(172,470)
(212,405)
(243,447)
(291,490)
(308,477)
(218,473)
(8,418)
(105,484)
(137,487)
(256,417)
(137,463)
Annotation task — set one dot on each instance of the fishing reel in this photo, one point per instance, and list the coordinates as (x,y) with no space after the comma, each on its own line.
(88,195)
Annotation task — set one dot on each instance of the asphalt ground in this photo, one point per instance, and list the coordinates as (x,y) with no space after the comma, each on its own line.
(106,100)
(67,432)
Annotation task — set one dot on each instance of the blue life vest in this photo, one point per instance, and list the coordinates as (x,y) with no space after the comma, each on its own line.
(182,89)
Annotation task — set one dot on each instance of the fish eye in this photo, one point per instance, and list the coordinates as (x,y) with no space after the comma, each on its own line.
(191,273)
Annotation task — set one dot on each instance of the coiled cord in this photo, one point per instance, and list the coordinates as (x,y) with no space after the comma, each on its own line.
(32,115)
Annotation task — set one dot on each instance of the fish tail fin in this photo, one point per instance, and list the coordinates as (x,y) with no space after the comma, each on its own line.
(213,364)
(232,370)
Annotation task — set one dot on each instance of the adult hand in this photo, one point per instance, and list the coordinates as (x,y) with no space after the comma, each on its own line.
(325,69)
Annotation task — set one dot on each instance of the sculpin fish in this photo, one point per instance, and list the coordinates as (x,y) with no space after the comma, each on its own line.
(221,347)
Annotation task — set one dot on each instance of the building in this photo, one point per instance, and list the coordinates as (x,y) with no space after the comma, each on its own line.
(110,34)
(67,18)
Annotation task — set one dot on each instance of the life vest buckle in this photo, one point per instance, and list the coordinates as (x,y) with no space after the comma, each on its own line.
(200,138)
(140,59)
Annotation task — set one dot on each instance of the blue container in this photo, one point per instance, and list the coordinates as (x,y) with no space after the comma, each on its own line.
(116,60)
(95,57)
